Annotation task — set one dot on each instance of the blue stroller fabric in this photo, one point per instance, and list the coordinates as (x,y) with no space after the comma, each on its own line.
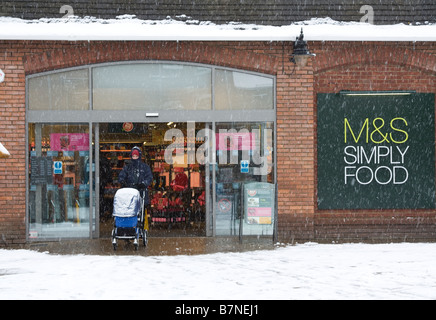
(129,222)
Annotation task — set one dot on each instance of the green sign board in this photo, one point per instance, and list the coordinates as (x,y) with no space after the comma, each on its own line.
(376,151)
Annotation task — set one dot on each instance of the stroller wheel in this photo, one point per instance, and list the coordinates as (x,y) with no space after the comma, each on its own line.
(144,238)
(114,240)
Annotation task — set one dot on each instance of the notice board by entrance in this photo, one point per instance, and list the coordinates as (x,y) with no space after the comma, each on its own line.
(376,151)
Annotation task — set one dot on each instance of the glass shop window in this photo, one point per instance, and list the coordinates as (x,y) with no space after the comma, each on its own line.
(245,186)
(152,86)
(60,91)
(59,194)
(243,91)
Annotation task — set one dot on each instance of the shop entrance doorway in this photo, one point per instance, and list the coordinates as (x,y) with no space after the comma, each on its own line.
(73,167)
(177,195)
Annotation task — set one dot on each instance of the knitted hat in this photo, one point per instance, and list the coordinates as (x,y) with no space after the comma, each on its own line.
(135,152)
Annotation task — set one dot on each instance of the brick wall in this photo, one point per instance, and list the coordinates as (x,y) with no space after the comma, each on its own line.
(65,55)
(12,136)
(295,152)
(337,66)
(375,66)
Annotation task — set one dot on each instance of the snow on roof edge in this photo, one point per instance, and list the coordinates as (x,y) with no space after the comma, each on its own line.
(127,27)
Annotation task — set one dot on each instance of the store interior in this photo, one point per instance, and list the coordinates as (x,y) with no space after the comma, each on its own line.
(61,189)
(177,194)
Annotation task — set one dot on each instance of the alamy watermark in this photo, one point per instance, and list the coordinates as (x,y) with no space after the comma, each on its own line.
(232,147)
(67,10)
(366,10)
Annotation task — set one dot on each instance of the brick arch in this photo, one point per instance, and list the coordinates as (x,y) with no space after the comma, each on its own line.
(86,53)
(333,56)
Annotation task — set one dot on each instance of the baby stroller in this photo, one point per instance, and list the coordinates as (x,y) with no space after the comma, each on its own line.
(129,219)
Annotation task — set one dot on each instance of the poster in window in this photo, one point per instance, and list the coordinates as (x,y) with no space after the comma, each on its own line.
(69,141)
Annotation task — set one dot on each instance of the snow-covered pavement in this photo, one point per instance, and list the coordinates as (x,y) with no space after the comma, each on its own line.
(305,271)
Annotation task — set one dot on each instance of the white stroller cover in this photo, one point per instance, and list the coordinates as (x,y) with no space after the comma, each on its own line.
(127,203)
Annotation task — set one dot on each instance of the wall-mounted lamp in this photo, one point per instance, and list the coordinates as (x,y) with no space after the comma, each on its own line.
(376,93)
(2,76)
(301,53)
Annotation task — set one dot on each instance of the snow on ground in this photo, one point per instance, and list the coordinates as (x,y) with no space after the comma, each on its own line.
(306,271)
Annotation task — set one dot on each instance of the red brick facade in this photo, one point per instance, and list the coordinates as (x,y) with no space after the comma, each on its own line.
(375,66)
(12,136)
(337,66)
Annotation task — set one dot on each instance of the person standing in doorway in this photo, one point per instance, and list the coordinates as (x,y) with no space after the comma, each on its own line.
(136,174)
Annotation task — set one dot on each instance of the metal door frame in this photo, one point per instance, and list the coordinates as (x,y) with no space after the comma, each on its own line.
(95,117)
